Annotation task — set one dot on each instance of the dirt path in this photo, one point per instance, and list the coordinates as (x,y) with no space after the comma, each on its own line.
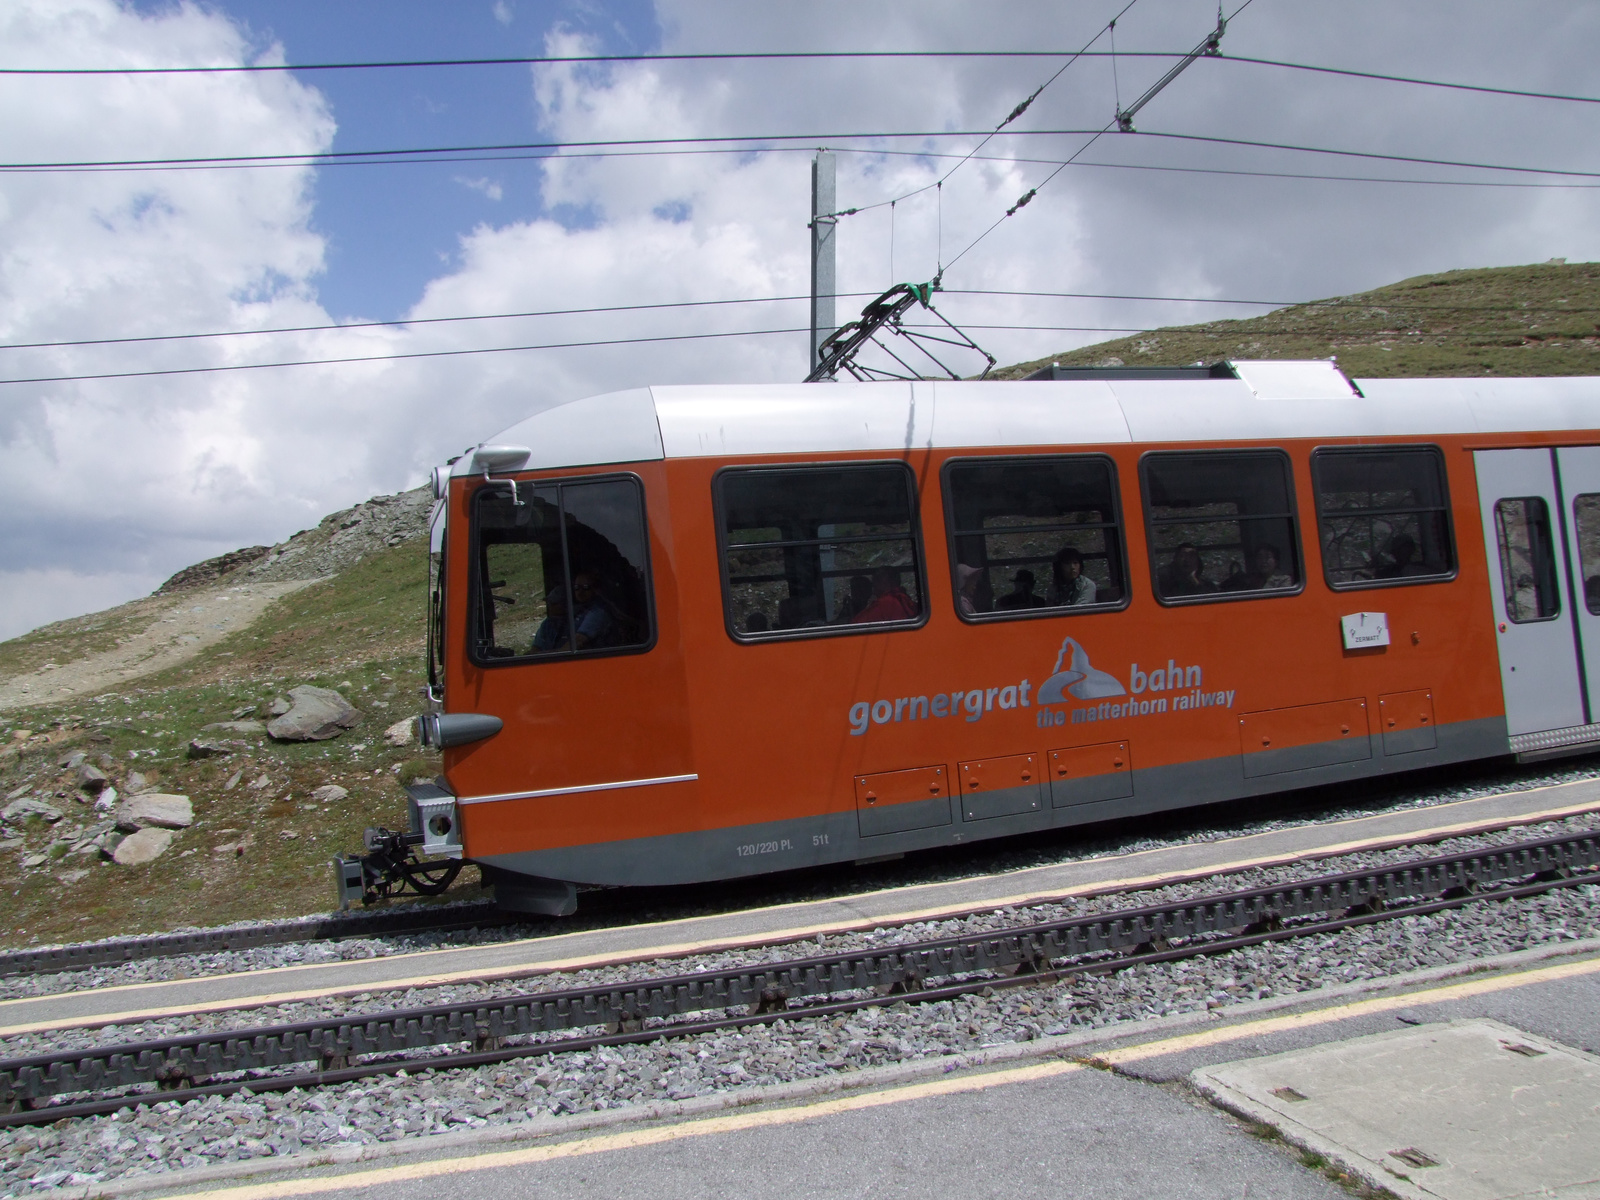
(182,626)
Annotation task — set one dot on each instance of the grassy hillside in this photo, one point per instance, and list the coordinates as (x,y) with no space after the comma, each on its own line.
(360,632)
(1536,320)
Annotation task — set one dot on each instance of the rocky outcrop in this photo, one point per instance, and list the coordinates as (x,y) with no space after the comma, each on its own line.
(315,715)
(212,569)
(402,733)
(142,847)
(20,810)
(328,793)
(155,810)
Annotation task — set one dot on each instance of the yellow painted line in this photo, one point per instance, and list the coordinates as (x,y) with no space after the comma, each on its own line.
(1344,1012)
(771,937)
(635,1138)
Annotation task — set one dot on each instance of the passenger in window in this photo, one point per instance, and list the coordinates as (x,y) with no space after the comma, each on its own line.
(889,599)
(1068,583)
(756,622)
(595,621)
(860,597)
(1021,593)
(1185,574)
(1402,552)
(969,582)
(1263,574)
(552,631)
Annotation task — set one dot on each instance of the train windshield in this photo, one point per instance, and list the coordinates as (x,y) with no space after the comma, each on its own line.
(561,570)
(813,549)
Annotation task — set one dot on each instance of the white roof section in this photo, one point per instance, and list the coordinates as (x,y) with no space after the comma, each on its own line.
(1270,400)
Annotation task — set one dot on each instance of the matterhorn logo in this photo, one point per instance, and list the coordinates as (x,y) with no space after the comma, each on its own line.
(1078,679)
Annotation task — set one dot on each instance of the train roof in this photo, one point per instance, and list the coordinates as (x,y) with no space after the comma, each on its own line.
(1268,399)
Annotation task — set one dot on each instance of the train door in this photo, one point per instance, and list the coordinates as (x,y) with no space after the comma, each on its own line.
(1539,611)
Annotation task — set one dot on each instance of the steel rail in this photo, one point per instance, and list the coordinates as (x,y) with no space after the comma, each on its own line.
(1028,950)
(330,928)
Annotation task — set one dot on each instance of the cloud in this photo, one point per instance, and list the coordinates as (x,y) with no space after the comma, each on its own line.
(503,12)
(115,484)
(488,187)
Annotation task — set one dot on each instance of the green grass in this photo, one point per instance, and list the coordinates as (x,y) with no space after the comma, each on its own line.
(361,633)
(1534,320)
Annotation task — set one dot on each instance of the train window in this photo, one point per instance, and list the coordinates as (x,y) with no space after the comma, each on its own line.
(1384,516)
(1586,520)
(1033,535)
(1221,525)
(1527,559)
(561,569)
(813,550)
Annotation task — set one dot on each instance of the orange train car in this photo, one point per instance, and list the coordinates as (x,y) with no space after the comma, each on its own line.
(691,633)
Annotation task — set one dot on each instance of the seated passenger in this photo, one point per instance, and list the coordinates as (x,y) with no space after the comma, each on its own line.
(1184,575)
(1402,551)
(1591,593)
(889,600)
(860,597)
(594,622)
(552,631)
(1263,574)
(1068,583)
(1021,593)
(756,622)
(969,582)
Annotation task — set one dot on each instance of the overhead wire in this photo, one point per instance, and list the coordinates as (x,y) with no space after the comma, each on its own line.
(1012,116)
(338,327)
(332,158)
(779,55)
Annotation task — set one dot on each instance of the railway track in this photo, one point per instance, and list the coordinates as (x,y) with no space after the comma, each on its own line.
(336,1050)
(330,928)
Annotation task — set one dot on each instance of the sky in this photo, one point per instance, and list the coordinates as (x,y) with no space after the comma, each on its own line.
(116,483)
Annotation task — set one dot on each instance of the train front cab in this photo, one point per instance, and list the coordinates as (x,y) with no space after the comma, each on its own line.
(562,623)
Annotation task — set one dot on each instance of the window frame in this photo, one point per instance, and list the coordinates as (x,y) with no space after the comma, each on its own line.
(1358,585)
(1553,558)
(1119,527)
(1293,515)
(475,583)
(914,533)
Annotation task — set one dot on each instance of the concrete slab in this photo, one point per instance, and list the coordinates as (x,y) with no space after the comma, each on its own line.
(1465,1110)
(789,922)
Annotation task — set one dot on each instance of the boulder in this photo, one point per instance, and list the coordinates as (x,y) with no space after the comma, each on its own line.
(147,845)
(213,748)
(316,715)
(401,733)
(106,800)
(278,707)
(155,810)
(136,783)
(235,727)
(328,793)
(91,779)
(72,760)
(19,810)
